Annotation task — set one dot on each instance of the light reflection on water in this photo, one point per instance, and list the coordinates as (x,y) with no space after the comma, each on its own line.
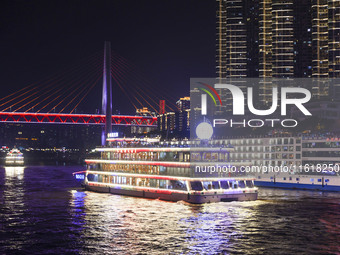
(134,225)
(43,211)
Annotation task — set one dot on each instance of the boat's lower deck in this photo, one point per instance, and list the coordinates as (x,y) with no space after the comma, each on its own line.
(292,185)
(173,196)
(307,182)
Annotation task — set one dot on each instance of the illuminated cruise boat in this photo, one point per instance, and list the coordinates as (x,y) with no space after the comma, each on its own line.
(14,158)
(153,169)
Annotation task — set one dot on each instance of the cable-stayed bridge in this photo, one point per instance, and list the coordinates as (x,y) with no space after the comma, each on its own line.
(56,99)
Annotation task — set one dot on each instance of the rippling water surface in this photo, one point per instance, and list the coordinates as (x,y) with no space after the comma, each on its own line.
(44,211)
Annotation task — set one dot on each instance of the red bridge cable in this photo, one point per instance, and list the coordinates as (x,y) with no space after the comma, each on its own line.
(77,91)
(40,102)
(34,99)
(31,95)
(41,82)
(122,89)
(86,93)
(16,98)
(39,96)
(118,76)
(50,77)
(145,90)
(16,92)
(68,92)
(146,86)
(146,101)
(156,103)
(142,98)
(76,86)
(137,72)
(77,95)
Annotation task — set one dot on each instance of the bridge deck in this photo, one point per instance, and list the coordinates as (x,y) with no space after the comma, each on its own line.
(87,119)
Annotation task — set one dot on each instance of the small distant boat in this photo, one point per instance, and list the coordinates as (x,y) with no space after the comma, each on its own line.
(14,158)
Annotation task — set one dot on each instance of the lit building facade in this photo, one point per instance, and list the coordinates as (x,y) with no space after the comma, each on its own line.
(284,151)
(176,124)
(140,130)
(183,104)
(278,39)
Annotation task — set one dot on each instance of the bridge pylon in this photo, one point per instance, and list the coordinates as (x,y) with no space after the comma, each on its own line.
(107,92)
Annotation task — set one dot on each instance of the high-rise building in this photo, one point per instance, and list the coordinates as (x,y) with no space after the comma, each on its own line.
(176,124)
(140,129)
(302,14)
(183,104)
(237,38)
(278,39)
(334,38)
(320,38)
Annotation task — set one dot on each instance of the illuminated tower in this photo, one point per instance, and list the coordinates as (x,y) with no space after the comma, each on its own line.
(320,38)
(107,91)
(282,38)
(334,38)
(237,44)
(265,38)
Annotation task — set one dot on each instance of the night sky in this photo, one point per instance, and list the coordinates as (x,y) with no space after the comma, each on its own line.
(170,41)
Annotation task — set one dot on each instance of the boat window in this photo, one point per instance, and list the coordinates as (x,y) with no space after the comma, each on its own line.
(327,180)
(214,156)
(162,170)
(319,180)
(215,185)
(186,157)
(140,182)
(234,184)
(162,155)
(100,178)
(224,184)
(93,166)
(153,183)
(207,185)
(206,156)
(297,179)
(162,184)
(196,185)
(92,177)
(118,179)
(195,156)
(178,185)
(241,184)
(250,184)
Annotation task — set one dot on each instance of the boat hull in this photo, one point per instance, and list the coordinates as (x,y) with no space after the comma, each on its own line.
(173,196)
(302,186)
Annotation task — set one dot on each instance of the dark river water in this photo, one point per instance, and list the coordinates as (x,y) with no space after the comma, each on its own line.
(44,211)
